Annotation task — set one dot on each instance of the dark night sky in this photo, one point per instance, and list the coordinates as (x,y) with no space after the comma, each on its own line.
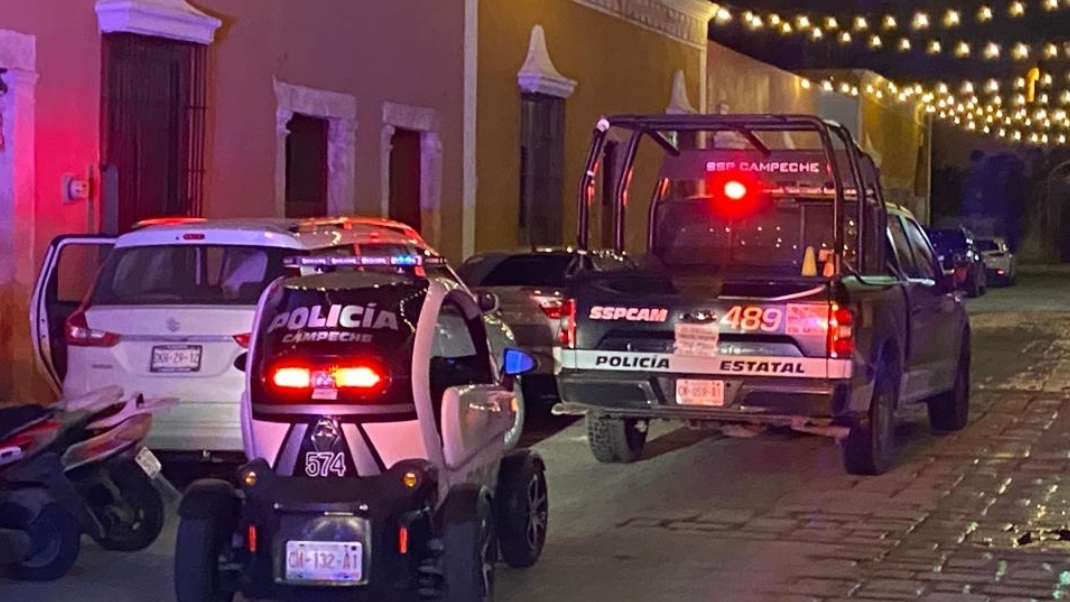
(798,52)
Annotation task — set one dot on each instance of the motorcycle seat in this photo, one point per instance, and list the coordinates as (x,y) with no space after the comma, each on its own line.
(17,418)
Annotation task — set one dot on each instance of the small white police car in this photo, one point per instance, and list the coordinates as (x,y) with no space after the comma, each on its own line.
(375,417)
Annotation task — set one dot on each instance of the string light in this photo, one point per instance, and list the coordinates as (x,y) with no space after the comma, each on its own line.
(921,21)
(992,51)
(722,15)
(1017,8)
(832,23)
(984,14)
(904,44)
(952,19)
(962,50)
(875,42)
(1021,51)
(935,47)
(890,22)
(845,37)
(861,24)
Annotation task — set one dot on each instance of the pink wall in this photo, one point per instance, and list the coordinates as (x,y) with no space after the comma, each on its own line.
(68,105)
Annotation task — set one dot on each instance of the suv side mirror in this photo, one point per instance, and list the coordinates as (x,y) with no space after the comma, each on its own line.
(488,302)
(240,361)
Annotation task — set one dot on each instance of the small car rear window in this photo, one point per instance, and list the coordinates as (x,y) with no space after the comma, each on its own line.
(187,275)
(529,270)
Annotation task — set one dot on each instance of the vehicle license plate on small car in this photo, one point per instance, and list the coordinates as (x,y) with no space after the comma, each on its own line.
(324,561)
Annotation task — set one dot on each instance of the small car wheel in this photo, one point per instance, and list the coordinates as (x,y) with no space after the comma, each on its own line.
(133,518)
(470,546)
(57,542)
(197,549)
(523,508)
(615,440)
(950,411)
(869,447)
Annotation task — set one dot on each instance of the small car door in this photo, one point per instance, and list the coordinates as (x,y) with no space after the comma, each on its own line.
(475,412)
(66,277)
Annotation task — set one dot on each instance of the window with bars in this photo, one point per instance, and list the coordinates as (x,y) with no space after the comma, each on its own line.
(152,129)
(542,166)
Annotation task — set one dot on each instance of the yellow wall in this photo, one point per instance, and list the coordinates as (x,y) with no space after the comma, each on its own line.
(748,85)
(620,67)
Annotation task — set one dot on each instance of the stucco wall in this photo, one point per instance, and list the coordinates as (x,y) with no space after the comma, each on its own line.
(402,51)
(620,67)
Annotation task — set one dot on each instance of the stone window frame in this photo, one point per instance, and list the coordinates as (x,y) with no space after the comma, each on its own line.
(340,111)
(425,121)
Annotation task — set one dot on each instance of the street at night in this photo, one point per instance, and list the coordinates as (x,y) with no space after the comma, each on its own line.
(982,514)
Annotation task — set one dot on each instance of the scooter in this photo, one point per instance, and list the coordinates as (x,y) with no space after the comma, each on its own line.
(75,468)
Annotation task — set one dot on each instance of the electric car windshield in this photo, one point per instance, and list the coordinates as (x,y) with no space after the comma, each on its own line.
(338,337)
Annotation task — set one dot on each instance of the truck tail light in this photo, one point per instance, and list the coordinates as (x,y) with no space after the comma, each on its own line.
(566,334)
(841,335)
(291,377)
(79,334)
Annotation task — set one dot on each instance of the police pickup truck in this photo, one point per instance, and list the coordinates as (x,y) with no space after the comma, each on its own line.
(778,288)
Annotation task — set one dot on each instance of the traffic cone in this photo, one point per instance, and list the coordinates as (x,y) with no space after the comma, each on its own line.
(809,266)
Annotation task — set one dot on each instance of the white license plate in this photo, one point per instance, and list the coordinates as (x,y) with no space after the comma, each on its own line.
(700,392)
(148,462)
(325,561)
(697,340)
(176,358)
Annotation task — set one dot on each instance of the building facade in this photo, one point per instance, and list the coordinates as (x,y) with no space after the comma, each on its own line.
(468,119)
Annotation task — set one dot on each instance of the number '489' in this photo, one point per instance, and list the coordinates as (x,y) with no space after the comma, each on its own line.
(753,318)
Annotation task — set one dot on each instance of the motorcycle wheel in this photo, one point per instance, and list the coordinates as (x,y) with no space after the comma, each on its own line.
(132,512)
(57,541)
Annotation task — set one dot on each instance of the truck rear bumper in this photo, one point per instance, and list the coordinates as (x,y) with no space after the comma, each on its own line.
(753,400)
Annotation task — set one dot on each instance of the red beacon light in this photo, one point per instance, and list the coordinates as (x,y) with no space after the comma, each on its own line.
(735,190)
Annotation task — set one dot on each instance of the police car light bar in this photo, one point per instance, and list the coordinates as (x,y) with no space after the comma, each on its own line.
(364,261)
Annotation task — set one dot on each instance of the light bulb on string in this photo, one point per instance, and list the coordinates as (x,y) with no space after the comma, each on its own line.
(816,34)
(962,50)
(785,28)
(889,22)
(1051,4)
(845,38)
(904,44)
(991,50)
(832,23)
(984,14)
(875,42)
(802,22)
(1021,51)
(1051,50)
(861,24)
(921,21)
(952,18)
(1017,8)
(722,16)
(935,47)
(992,86)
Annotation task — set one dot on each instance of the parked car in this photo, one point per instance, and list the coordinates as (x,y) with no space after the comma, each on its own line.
(958,254)
(172,306)
(1001,265)
(531,286)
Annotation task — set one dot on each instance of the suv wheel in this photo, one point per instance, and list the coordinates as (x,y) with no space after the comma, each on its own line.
(616,440)
(950,411)
(869,447)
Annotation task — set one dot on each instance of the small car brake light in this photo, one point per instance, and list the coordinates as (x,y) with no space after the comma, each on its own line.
(79,334)
(566,334)
(358,377)
(292,378)
(841,341)
(243,339)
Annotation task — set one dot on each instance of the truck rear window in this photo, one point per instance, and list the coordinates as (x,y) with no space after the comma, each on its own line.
(774,239)
(187,275)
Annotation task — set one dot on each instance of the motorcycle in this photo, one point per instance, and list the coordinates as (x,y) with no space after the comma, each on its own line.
(77,467)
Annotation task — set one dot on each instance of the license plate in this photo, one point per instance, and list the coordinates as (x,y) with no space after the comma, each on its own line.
(176,358)
(700,392)
(148,462)
(697,340)
(325,561)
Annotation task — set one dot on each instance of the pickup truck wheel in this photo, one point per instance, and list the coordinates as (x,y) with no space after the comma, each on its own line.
(950,411)
(870,445)
(615,440)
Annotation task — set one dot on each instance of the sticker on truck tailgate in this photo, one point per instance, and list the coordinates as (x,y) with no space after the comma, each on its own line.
(806,319)
(630,314)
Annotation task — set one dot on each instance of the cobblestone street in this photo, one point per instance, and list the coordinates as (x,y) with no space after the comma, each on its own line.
(980,515)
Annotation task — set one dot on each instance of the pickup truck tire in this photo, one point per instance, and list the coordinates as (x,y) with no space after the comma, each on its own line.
(869,446)
(950,411)
(615,440)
